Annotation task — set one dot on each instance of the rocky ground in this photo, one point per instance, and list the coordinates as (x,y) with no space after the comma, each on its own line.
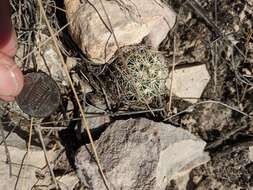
(191,129)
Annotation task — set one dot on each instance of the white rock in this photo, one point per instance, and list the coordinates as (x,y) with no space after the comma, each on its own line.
(34,162)
(27,176)
(46,59)
(65,182)
(131,20)
(95,122)
(14,138)
(251,153)
(141,154)
(71,62)
(189,83)
(49,62)
(68,181)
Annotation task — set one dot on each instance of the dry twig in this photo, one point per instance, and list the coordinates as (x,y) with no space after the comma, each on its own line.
(38,129)
(75,94)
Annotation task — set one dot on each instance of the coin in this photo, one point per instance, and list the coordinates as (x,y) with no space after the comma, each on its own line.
(40,96)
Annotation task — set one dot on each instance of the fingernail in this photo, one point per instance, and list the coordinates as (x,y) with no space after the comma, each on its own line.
(9,84)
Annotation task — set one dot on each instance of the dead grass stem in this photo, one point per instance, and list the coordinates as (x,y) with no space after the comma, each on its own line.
(64,66)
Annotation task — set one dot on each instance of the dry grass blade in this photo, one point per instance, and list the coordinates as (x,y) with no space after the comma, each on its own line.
(110,24)
(8,157)
(38,129)
(172,70)
(20,171)
(190,109)
(200,11)
(97,115)
(23,165)
(42,43)
(215,56)
(27,157)
(85,122)
(112,31)
(13,129)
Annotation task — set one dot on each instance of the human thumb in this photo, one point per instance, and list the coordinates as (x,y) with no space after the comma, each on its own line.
(11,78)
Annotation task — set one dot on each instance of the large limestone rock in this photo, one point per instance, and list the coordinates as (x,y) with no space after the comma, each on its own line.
(140,154)
(131,20)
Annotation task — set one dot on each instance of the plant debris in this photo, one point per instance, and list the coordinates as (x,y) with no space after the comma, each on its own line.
(129,84)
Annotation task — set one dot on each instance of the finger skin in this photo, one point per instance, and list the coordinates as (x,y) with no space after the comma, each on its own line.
(7,98)
(10,46)
(5,21)
(11,78)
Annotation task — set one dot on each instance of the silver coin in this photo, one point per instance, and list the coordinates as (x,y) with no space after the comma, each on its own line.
(40,96)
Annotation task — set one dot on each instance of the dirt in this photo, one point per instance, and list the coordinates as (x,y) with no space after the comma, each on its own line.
(228,132)
(222,117)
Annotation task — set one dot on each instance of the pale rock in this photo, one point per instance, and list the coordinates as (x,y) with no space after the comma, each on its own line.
(16,135)
(132,21)
(46,60)
(189,83)
(96,118)
(14,138)
(17,147)
(68,181)
(97,121)
(65,182)
(27,177)
(84,85)
(71,62)
(251,153)
(140,154)
(182,181)
(49,62)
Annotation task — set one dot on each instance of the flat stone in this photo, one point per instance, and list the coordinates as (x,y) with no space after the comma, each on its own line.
(189,83)
(27,177)
(65,182)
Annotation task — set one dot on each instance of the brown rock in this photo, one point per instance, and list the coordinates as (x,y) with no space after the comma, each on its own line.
(131,22)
